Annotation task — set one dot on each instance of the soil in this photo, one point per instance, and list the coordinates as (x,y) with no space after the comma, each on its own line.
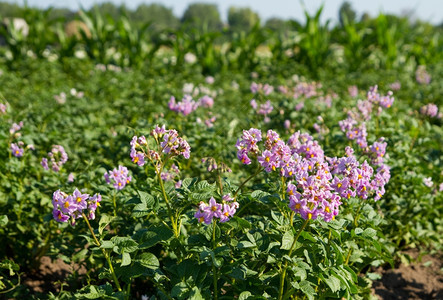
(420,280)
(50,274)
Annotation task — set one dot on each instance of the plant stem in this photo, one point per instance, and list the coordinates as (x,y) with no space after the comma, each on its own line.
(247,179)
(283,275)
(165,196)
(108,259)
(355,223)
(220,185)
(214,269)
(115,204)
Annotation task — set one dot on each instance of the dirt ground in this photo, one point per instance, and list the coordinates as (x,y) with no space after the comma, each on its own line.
(420,280)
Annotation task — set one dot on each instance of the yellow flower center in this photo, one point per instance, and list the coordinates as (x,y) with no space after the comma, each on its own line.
(267,159)
(78,199)
(309,216)
(339,185)
(327,209)
(213,208)
(136,159)
(297,206)
(66,205)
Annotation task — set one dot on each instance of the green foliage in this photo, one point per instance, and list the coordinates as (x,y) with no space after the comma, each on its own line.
(145,239)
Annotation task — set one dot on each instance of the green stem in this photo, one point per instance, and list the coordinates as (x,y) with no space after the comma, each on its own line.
(165,196)
(220,185)
(115,203)
(283,275)
(108,259)
(247,179)
(355,223)
(214,269)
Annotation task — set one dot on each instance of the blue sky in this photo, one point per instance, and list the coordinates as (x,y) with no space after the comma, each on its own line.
(430,10)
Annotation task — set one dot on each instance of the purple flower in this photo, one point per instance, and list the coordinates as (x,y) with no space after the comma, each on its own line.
(253,104)
(206,101)
(265,109)
(118,177)
(353,91)
(16,127)
(70,177)
(299,106)
(428,182)
(2,108)
(422,76)
(59,216)
(207,212)
(430,110)
(16,150)
(80,199)
(185,106)
(58,157)
(395,86)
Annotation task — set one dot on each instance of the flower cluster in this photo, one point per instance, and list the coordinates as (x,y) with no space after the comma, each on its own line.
(211,165)
(260,88)
(58,157)
(422,76)
(206,212)
(187,105)
(71,207)
(118,177)
(15,128)
(3,108)
(354,126)
(430,110)
(169,175)
(168,143)
(17,149)
(264,109)
(317,183)
(353,91)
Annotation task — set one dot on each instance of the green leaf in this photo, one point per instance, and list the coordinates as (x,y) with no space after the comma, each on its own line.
(154,235)
(3,220)
(140,210)
(287,240)
(245,244)
(307,289)
(244,295)
(10,265)
(126,259)
(308,236)
(124,244)
(107,245)
(195,294)
(148,260)
(332,282)
(369,233)
(104,221)
(147,199)
(240,223)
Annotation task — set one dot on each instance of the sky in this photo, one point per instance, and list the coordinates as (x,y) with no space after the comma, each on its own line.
(429,10)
